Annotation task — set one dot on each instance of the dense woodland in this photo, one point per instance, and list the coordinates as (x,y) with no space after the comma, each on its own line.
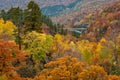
(32,47)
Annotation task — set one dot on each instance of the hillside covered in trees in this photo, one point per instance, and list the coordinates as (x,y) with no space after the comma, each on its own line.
(80,10)
(32,47)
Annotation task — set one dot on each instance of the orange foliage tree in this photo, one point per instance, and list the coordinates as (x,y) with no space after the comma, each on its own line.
(10,58)
(93,73)
(113,77)
(69,68)
(66,68)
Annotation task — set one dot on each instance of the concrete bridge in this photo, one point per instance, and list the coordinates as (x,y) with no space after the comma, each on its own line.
(78,30)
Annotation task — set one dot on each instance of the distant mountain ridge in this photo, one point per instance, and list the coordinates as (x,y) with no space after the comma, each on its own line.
(62,11)
(57,10)
(6,4)
(80,10)
(48,7)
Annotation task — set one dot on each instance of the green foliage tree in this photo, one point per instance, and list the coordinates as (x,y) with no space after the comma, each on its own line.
(3,14)
(38,44)
(40,47)
(53,28)
(16,16)
(32,18)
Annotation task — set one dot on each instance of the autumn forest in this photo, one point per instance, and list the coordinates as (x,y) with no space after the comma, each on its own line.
(33,47)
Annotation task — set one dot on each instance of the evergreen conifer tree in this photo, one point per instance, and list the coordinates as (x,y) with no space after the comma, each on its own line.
(32,16)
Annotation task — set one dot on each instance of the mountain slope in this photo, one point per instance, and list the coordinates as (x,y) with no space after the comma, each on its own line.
(62,11)
(80,10)
(105,23)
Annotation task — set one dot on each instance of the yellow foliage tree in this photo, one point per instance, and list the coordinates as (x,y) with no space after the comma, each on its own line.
(7,30)
(60,44)
(87,50)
